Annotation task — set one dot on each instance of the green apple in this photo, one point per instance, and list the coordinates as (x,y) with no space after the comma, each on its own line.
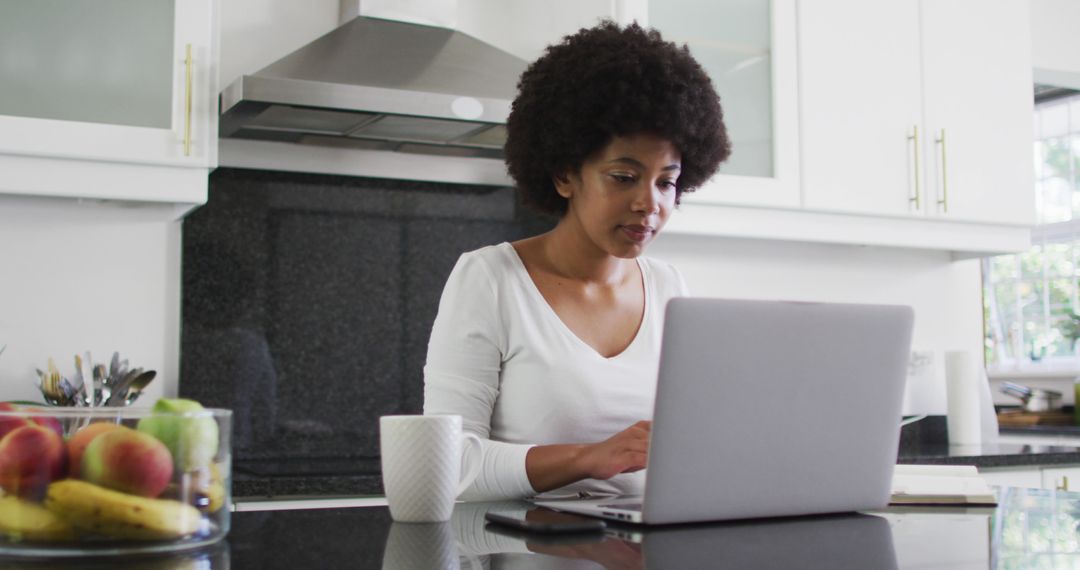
(192,437)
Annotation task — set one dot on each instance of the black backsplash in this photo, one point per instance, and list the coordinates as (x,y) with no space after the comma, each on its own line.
(308,301)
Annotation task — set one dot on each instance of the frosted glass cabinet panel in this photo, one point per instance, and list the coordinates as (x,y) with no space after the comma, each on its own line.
(748,49)
(121,81)
(100,61)
(732,40)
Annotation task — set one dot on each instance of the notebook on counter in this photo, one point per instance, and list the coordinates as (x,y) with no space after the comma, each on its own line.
(940,485)
(769,408)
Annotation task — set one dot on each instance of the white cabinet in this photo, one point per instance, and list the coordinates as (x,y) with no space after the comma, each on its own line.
(748,49)
(1061,478)
(1049,478)
(108,98)
(1020,478)
(859,103)
(879,84)
(978,92)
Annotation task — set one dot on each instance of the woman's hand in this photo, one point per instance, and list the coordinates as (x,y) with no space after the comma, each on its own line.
(553,466)
(624,452)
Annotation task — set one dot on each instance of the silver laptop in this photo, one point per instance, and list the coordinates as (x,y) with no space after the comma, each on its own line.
(767,409)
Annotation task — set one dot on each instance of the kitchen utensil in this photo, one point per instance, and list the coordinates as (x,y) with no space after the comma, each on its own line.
(123,385)
(137,385)
(102,390)
(1033,399)
(52,391)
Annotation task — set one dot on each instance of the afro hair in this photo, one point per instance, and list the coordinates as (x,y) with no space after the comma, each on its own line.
(604,82)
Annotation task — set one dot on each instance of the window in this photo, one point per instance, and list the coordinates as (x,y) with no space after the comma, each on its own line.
(1031,300)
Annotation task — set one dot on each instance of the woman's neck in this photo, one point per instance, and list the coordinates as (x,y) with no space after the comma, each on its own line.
(573,255)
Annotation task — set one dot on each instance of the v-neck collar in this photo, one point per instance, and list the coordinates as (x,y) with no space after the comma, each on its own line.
(523,272)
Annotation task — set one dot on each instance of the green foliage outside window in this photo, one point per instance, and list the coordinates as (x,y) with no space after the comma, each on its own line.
(1030,300)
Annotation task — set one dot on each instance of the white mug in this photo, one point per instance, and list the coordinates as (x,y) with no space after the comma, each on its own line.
(422,465)
(412,546)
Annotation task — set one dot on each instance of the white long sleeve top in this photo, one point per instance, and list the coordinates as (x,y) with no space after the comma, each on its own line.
(501,357)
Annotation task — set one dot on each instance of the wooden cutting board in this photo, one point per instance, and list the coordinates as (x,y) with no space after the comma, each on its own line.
(1019,418)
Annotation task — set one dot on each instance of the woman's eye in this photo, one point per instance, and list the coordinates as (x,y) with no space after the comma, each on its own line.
(623,178)
(667,184)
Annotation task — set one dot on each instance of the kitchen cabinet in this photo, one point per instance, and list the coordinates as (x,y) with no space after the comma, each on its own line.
(108,98)
(917,109)
(1061,478)
(1030,478)
(1051,478)
(748,49)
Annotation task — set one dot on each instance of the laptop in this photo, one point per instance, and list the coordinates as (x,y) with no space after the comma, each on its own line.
(769,409)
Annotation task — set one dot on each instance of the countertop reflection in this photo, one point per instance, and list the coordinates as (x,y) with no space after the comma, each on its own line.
(1028,529)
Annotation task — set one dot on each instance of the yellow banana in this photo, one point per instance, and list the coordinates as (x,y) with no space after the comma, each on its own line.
(100,510)
(23,520)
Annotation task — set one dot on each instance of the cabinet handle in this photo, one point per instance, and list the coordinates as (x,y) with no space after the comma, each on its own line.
(914,136)
(944,201)
(187,103)
(1064,486)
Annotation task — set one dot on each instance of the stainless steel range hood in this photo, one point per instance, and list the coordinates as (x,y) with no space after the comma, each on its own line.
(380,85)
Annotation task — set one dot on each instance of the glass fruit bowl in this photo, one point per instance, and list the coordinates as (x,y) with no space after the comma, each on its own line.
(108,481)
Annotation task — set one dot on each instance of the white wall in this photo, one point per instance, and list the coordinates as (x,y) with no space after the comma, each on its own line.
(80,276)
(945,294)
(256,33)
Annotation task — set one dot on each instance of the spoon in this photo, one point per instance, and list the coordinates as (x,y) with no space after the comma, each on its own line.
(137,386)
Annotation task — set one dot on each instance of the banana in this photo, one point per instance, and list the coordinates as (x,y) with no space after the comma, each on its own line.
(90,507)
(23,520)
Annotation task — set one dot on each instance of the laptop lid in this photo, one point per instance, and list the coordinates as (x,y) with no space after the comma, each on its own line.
(768,408)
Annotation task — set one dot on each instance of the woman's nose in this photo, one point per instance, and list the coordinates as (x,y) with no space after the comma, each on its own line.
(647,200)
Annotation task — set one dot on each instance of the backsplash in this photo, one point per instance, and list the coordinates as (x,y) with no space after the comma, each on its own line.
(308,301)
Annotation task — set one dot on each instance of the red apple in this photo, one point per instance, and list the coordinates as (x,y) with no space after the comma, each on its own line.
(129,461)
(31,457)
(82,438)
(49,422)
(9,422)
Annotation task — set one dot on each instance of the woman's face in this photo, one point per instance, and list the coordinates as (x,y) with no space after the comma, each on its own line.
(624,193)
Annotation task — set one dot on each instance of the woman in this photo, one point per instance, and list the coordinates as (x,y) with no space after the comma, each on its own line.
(548,347)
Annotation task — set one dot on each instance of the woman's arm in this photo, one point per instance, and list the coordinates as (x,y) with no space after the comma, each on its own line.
(553,466)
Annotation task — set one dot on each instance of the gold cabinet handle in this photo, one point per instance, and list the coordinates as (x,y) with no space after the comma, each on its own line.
(944,201)
(914,136)
(1064,486)
(187,103)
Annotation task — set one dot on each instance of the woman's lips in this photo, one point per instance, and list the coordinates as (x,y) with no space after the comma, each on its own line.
(637,233)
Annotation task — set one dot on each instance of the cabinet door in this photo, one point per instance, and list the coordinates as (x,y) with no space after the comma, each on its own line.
(1019,478)
(748,49)
(978,94)
(860,99)
(109,80)
(1061,478)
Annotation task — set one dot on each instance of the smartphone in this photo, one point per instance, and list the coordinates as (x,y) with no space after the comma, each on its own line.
(545,521)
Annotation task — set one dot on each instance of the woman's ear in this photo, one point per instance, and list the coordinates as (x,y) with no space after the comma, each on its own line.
(564,185)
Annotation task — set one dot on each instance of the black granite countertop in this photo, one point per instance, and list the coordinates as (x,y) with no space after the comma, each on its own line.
(1028,529)
(923,442)
(1042,430)
(990,455)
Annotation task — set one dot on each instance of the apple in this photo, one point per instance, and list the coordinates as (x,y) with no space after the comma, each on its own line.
(129,461)
(9,422)
(79,440)
(182,425)
(31,457)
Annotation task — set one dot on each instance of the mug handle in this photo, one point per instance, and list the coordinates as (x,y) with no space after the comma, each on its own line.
(470,457)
